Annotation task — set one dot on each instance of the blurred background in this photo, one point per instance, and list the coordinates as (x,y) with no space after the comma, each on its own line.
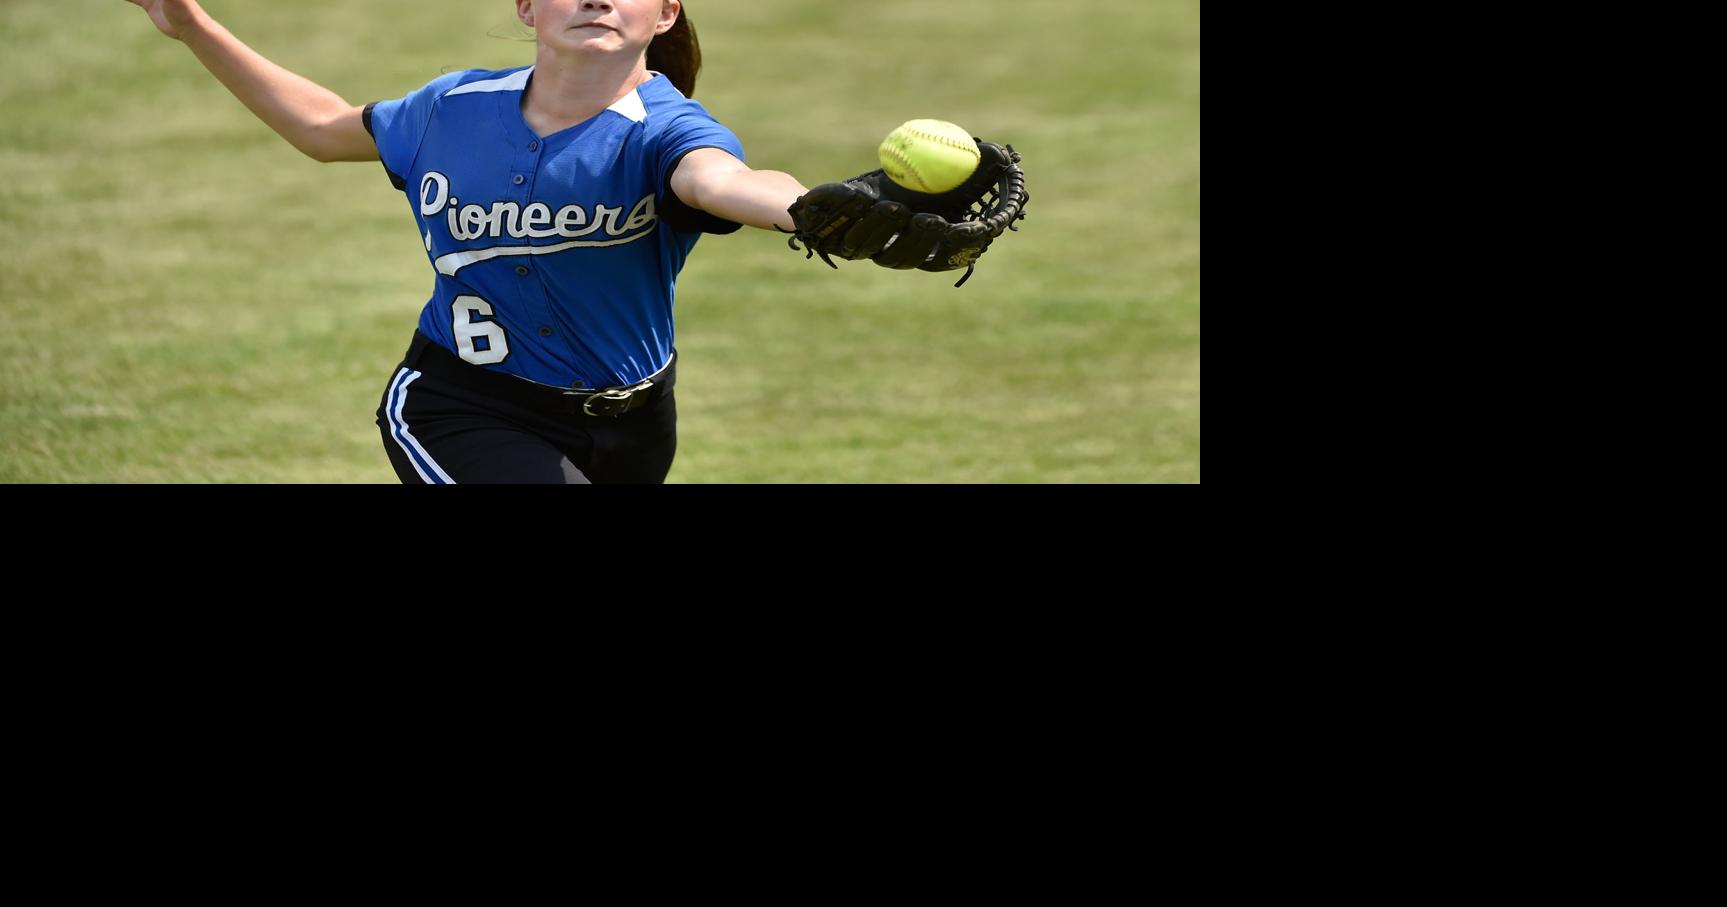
(189,299)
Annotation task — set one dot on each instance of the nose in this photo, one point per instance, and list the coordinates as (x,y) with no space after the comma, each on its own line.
(597,5)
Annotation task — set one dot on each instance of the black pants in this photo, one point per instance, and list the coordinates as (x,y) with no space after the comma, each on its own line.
(446,422)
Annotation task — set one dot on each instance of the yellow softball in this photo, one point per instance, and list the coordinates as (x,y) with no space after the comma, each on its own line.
(928,156)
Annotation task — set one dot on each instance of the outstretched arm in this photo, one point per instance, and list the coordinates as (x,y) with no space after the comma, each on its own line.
(712,180)
(311,117)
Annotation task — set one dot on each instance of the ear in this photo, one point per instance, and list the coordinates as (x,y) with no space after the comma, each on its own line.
(525,12)
(669,12)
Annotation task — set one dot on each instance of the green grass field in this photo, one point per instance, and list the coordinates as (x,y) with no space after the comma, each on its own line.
(188,299)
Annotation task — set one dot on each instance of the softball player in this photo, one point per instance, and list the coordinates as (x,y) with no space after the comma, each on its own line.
(557,203)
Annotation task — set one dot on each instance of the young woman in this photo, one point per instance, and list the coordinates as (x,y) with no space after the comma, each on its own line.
(557,202)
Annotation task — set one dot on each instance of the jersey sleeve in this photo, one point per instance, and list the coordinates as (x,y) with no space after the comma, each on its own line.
(399,126)
(685,134)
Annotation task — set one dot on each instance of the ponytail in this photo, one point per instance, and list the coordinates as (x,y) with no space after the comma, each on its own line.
(677,54)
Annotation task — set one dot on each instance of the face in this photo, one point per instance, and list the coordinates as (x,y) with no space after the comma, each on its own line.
(604,26)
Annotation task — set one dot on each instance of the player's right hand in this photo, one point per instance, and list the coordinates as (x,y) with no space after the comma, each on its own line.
(171,16)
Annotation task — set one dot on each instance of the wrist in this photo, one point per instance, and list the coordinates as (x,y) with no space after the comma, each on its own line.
(199,26)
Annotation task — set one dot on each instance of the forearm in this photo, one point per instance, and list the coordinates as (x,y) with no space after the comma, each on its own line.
(297,108)
(758,198)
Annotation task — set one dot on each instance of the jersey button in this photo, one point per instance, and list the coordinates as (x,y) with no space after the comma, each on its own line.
(519,179)
(533,146)
(522,270)
(545,331)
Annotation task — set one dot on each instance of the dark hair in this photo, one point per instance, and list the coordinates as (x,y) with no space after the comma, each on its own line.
(677,54)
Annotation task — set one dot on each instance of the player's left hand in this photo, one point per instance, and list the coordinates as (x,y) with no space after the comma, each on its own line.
(871,216)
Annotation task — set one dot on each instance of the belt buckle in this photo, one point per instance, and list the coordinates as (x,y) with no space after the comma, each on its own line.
(615,395)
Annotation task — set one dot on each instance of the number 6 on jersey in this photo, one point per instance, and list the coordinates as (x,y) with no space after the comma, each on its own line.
(494,346)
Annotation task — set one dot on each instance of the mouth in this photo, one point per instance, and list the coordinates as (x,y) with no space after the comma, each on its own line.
(587,25)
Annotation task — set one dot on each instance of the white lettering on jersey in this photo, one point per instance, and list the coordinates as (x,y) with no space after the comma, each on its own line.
(431,204)
(641,215)
(536,221)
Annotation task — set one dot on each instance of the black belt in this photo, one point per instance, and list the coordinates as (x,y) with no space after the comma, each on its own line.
(427,356)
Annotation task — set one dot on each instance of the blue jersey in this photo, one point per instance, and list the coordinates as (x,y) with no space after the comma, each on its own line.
(556,257)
